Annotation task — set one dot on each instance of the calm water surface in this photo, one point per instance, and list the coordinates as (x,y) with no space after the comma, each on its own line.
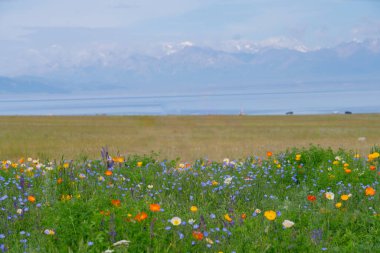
(248,102)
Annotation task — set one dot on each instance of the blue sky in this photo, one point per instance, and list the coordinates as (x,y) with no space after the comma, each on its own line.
(34,32)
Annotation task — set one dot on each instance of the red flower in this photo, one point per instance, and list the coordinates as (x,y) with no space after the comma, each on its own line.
(311,198)
(116,202)
(198,235)
(155,207)
(141,216)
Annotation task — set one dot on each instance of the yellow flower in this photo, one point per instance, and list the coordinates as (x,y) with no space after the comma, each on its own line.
(49,232)
(118,159)
(335,162)
(66,197)
(338,205)
(346,165)
(65,165)
(193,209)
(227,217)
(139,164)
(298,157)
(373,156)
(357,156)
(214,183)
(270,215)
(344,197)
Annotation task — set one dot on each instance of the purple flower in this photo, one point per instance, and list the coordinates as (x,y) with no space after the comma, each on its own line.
(90,243)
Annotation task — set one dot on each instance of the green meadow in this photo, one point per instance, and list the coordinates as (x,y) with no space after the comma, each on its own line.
(239,184)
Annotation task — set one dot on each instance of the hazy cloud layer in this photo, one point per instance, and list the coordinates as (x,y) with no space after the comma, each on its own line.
(42,34)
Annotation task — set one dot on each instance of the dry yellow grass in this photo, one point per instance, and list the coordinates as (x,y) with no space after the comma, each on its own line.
(188,137)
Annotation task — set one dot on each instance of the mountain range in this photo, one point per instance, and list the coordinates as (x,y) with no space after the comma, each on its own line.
(185,68)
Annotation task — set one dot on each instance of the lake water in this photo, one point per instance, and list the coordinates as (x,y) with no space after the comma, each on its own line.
(247,102)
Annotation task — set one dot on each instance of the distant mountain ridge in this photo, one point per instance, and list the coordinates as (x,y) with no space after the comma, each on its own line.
(192,67)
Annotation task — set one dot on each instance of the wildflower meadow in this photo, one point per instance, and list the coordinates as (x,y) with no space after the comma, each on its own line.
(301,200)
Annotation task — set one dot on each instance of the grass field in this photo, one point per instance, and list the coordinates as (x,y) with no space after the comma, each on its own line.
(187,137)
(307,200)
(312,199)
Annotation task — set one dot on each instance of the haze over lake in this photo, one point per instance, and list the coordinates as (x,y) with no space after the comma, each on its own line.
(222,102)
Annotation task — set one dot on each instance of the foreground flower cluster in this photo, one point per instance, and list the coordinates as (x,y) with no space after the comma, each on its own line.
(297,201)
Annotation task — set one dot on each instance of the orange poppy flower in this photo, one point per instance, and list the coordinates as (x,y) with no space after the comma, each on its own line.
(59,181)
(311,198)
(372,167)
(155,207)
(31,198)
(348,171)
(369,191)
(198,235)
(141,216)
(269,154)
(108,173)
(243,216)
(116,202)
(105,213)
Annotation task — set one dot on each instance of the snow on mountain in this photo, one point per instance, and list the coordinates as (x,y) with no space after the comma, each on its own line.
(189,66)
(171,48)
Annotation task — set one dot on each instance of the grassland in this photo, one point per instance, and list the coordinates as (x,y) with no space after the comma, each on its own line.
(310,199)
(307,200)
(187,137)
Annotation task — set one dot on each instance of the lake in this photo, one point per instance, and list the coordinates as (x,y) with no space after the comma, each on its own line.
(248,102)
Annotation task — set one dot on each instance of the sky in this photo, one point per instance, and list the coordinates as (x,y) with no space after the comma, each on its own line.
(35,32)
